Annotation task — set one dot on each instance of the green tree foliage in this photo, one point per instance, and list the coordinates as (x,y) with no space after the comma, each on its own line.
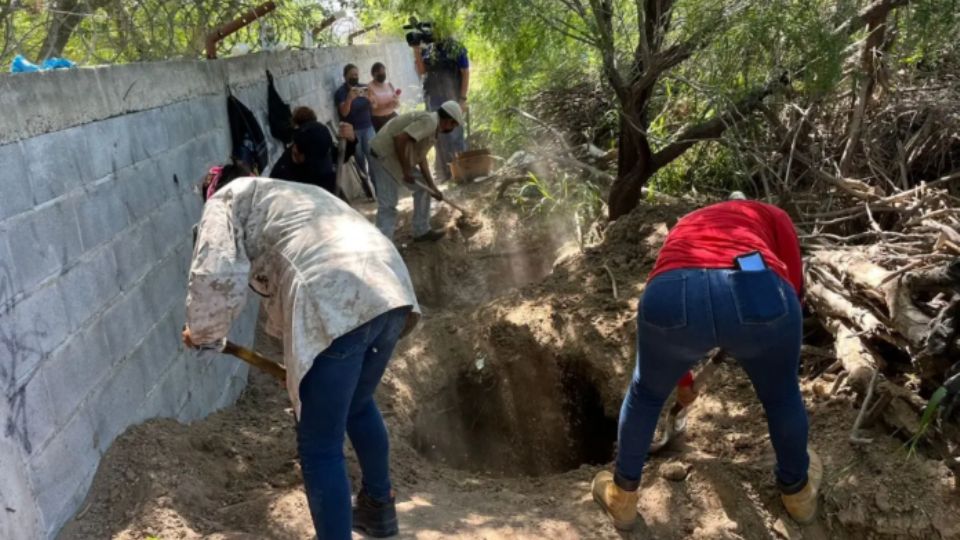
(117,31)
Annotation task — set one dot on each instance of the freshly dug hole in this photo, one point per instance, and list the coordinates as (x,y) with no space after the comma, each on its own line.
(531,418)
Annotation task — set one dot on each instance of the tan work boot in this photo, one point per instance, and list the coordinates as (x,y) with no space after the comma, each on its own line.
(619,504)
(802,505)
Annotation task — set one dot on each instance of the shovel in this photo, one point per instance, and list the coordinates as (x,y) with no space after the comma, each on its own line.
(466,220)
(675,422)
(255,359)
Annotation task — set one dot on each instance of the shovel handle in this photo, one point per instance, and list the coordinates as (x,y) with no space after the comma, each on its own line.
(434,193)
(255,359)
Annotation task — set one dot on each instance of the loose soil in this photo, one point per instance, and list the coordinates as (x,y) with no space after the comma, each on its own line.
(502,406)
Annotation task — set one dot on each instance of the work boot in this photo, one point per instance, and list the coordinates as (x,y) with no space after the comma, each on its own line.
(431,236)
(802,505)
(618,503)
(376,519)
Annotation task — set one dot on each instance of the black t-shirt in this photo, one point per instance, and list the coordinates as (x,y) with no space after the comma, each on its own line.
(319,169)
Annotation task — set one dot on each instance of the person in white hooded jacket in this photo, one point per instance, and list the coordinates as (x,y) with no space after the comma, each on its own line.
(338,293)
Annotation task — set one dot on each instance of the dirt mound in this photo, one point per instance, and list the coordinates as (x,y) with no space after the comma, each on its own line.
(501,407)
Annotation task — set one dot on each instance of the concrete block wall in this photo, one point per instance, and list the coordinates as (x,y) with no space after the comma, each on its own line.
(98,169)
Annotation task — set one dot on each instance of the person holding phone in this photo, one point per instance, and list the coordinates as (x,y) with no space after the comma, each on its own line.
(729,276)
(353,102)
(384,98)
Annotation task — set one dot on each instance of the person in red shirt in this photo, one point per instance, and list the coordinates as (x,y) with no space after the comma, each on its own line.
(730,276)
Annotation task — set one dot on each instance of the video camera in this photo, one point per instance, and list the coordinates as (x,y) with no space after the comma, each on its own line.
(419,32)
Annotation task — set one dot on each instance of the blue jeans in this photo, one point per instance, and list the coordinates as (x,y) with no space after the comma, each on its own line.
(754,317)
(388,194)
(364,157)
(448,146)
(336,398)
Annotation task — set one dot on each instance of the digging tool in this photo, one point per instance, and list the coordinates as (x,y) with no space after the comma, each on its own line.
(255,359)
(466,220)
(676,420)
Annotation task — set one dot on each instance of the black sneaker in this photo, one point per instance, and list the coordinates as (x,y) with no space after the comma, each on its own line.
(431,236)
(376,519)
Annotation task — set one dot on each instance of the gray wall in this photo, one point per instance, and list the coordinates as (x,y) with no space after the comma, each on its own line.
(97,169)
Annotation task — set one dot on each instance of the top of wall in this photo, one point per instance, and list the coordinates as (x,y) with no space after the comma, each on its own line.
(34,104)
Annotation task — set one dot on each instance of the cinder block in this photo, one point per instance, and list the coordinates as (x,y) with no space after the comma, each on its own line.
(172,226)
(177,118)
(101,214)
(17,196)
(150,129)
(52,165)
(89,286)
(135,185)
(117,403)
(43,242)
(126,323)
(9,280)
(21,520)
(32,330)
(165,285)
(157,350)
(111,146)
(32,418)
(62,473)
(73,371)
(135,251)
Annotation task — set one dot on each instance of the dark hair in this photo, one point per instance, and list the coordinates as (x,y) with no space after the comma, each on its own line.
(303,115)
(443,114)
(230,172)
(376,66)
(347,68)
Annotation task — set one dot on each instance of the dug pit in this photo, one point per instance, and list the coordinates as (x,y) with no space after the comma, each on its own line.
(531,415)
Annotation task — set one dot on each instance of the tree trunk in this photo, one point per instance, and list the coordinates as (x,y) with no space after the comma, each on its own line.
(634,166)
(69,15)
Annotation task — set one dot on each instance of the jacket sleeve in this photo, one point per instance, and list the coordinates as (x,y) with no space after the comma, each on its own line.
(219,273)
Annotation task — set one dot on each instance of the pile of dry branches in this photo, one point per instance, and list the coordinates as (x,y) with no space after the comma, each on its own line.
(888,290)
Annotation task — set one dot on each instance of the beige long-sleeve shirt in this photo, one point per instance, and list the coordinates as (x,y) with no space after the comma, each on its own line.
(321,267)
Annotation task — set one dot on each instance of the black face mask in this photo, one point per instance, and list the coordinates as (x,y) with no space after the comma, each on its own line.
(380,77)
(353,81)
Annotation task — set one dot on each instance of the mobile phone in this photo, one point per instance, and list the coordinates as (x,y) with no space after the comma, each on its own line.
(750,262)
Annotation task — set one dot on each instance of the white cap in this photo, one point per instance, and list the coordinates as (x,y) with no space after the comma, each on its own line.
(452,108)
(737,196)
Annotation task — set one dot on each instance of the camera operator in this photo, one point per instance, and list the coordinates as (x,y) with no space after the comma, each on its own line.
(445,69)
(354,105)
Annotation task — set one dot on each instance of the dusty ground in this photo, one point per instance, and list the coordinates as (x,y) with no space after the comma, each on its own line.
(502,406)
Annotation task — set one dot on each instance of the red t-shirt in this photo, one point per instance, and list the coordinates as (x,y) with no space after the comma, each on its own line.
(714,236)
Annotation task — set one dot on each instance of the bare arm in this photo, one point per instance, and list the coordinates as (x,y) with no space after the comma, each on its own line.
(401,145)
(428,180)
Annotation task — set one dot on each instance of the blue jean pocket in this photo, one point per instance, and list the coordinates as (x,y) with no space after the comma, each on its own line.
(664,303)
(758,296)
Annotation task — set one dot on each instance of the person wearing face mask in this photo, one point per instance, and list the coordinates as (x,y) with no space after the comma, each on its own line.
(353,102)
(384,98)
(398,148)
